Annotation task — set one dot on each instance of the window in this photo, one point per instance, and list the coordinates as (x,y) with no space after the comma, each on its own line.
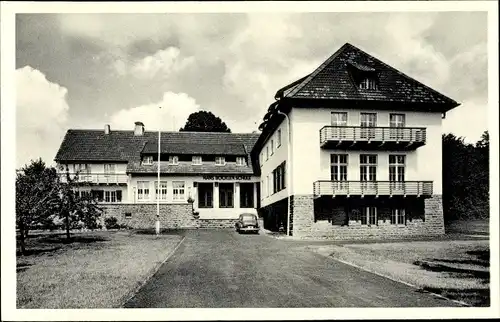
(339,121)
(368,83)
(397,171)
(147,160)
(142,190)
(278,143)
(371,216)
(196,160)
(246,195)
(226,193)
(338,170)
(368,124)
(240,161)
(267,186)
(263,192)
(368,170)
(272,147)
(279,178)
(220,161)
(173,159)
(109,196)
(398,216)
(267,153)
(397,122)
(109,168)
(178,190)
(161,193)
(128,215)
(205,195)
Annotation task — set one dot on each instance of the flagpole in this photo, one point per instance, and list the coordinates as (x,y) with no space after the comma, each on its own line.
(158,187)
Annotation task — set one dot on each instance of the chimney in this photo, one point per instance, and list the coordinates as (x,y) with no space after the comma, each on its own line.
(139,128)
(107,129)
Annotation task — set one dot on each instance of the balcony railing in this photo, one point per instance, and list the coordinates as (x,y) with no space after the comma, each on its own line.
(372,137)
(372,188)
(98,178)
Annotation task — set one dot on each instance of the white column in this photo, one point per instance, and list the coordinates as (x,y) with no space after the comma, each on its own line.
(236,196)
(255,194)
(216,195)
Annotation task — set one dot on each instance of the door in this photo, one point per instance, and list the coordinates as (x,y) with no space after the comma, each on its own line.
(368,124)
(397,173)
(397,123)
(339,122)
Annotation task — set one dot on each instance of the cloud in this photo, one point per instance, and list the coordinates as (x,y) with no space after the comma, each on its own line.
(163,63)
(42,112)
(175,109)
(468,120)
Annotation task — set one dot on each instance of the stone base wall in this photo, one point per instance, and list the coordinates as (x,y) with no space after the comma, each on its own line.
(305,227)
(216,223)
(143,216)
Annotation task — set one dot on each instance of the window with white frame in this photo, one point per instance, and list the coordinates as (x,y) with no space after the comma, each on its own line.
(272,147)
(278,140)
(397,170)
(398,216)
(397,123)
(161,193)
(240,161)
(173,159)
(267,152)
(220,161)
(368,170)
(147,160)
(339,122)
(338,170)
(109,168)
(368,124)
(109,196)
(178,190)
(196,159)
(142,190)
(368,83)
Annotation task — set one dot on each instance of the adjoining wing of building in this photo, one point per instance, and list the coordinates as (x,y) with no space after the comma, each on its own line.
(352,150)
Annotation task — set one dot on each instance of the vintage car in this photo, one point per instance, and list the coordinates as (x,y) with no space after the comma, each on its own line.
(247,222)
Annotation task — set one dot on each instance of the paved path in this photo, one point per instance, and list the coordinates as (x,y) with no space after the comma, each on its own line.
(219,268)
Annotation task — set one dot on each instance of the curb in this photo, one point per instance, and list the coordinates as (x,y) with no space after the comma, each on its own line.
(399,281)
(151,274)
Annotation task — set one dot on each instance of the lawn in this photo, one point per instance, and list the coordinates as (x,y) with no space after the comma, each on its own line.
(456,269)
(95,270)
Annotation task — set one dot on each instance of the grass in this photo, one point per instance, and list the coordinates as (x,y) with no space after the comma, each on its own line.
(456,269)
(93,270)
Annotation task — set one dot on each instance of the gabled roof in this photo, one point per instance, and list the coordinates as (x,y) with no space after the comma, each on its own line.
(333,80)
(195,148)
(124,146)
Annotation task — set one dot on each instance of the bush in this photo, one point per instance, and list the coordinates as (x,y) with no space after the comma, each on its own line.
(111,223)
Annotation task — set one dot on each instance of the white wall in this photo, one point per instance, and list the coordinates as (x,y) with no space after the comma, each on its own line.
(311,163)
(275,159)
(190,190)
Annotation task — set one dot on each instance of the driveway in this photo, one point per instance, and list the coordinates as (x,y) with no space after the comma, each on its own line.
(221,269)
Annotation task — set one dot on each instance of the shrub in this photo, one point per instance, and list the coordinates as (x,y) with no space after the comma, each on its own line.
(111,223)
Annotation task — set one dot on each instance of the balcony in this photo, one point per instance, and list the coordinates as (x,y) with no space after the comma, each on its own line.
(372,138)
(98,178)
(372,188)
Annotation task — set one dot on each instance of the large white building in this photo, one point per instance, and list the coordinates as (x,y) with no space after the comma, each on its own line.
(352,150)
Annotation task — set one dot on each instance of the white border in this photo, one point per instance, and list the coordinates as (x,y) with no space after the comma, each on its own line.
(8,10)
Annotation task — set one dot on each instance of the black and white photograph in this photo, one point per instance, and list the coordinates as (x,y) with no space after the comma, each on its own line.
(330,157)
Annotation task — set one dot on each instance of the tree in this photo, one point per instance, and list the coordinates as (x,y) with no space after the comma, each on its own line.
(465,178)
(41,197)
(204,121)
(36,186)
(74,207)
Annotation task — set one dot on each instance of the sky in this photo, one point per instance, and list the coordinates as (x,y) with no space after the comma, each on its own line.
(88,70)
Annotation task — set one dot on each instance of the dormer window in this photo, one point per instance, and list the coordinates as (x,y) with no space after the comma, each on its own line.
(173,160)
(220,161)
(368,83)
(240,161)
(196,160)
(147,160)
